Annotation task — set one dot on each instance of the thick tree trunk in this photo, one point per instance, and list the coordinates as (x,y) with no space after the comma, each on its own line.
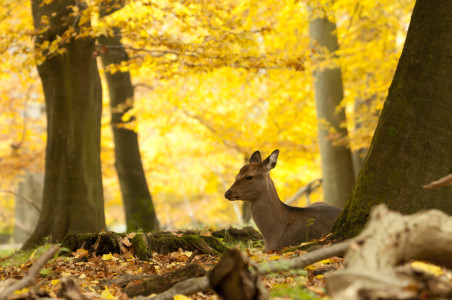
(337,168)
(137,200)
(73,197)
(412,144)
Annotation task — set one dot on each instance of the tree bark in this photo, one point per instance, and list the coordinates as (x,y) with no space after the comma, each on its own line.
(137,200)
(337,168)
(73,196)
(412,144)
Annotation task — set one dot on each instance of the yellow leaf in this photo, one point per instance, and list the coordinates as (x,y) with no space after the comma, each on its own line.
(25,290)
(33,254)
(275,257)
(310,268)
(82,276)
(327,261)
(55,282)
(181,297)
(106,294)
(256,258)
(426,267)
(108,256)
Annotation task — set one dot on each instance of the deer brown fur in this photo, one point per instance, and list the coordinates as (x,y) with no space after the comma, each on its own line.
(281,225)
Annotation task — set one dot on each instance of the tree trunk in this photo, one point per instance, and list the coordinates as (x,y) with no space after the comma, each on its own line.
(359,155)
(73,196)
(137,200)
(412,143)
(337,168)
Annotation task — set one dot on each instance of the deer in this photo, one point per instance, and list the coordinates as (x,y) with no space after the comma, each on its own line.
(281,225)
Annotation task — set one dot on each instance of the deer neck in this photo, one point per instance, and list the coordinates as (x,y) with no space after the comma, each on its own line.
(268,212)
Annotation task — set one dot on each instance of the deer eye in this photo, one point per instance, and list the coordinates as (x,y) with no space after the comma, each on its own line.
(249,177)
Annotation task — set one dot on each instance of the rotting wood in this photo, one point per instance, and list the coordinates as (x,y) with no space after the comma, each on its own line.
(143,244)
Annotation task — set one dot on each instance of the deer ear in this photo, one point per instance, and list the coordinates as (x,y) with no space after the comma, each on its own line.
(256,157)
(270,162)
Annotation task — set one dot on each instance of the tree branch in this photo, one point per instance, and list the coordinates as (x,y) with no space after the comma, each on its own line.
(32,273)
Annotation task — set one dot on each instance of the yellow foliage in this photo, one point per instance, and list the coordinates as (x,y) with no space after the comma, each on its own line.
(214,81)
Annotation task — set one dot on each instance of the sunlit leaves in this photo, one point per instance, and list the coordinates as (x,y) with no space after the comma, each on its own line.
(215,80)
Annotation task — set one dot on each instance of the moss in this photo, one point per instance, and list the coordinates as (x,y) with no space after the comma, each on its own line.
(79,240)
(140,246)
(101,243)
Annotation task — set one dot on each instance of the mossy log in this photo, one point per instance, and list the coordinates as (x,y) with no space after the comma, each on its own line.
(158,284)
(143,244)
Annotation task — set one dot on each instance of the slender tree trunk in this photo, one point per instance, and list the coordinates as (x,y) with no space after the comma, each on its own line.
(337,168)
(246,206)
(137,200)
(73,197)
(359,155)
(412,144)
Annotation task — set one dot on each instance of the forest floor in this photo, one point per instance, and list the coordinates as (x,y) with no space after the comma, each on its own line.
(94,274)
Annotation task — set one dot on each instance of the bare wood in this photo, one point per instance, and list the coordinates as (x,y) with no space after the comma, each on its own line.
(444,181)
(281,225)
(389,240)
(307,259)
(29,279)
(187,287)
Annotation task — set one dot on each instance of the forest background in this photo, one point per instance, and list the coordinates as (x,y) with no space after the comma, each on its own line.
(245,84)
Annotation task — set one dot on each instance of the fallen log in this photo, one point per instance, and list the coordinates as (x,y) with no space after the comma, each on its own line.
(235,277)
(143,244)
(160,283)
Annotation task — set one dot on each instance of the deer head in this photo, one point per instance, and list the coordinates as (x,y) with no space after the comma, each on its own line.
(252,181)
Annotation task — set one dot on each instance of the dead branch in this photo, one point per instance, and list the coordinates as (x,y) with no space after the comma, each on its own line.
(444,181)
(30,278)
(304,260)
(306,189)
(187,287)
(38,209)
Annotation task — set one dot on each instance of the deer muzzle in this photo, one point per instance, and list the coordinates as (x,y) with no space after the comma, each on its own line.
(228,195)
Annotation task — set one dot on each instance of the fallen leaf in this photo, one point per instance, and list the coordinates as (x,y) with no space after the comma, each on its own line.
(106,294)
(108,256)
(181,297)
(126,242)
(427,268)
(55,282)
